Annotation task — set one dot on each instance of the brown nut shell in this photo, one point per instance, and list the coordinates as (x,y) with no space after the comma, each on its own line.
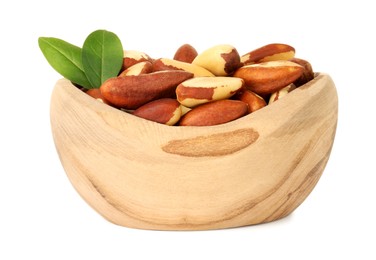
(131,92)
(254,101)
(221,60)
(307,74)
(96,93)
(185,53)
(196,91)
(142,67)
(269,52)
(132,57)
(165,111)
(169,64)
(214,113)
(269,77)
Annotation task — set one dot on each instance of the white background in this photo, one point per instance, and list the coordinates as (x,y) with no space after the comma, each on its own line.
(42,216)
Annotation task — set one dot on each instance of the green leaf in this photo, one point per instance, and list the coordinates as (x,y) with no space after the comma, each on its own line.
(102,56)
(65,58)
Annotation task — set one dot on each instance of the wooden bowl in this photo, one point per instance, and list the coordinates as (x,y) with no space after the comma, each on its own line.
(141,174)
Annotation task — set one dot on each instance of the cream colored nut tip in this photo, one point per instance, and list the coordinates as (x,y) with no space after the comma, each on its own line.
(221,60)
(201,90)
(169,64)
(281,93)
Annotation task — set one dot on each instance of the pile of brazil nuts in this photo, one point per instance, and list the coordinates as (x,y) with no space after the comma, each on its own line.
(202,89)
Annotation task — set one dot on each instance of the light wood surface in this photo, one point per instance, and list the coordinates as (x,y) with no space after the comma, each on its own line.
(141,174)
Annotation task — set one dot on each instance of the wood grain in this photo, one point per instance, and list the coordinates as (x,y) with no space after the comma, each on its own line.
(141,174)
(214,144)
